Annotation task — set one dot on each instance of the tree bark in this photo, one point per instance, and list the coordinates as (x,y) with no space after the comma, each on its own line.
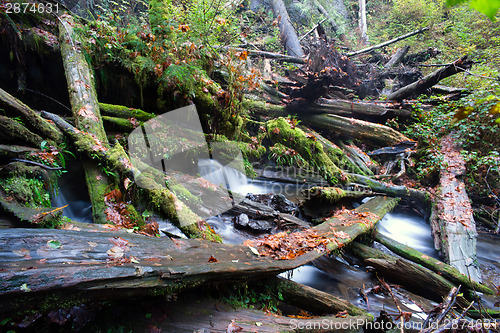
(80,270)
(85,110)
(362,22)
(428,81)
(456,226)
(422,281)
(354,128)
(315,300)
(392,41)
(116,159)
(439,267)
(397,57)
(288,35)
(12,131)
(31,117)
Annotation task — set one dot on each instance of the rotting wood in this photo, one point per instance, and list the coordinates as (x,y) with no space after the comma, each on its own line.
(92,265)
(397,57)
(30,116)
(428,81)
(392,41)
(456,227)
(423,281)
(85,109)
(445,270)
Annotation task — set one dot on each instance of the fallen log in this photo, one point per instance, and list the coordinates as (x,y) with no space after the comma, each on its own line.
(422,282)
(81,265)
(392,41)
(85,109)
(166,203)
(354,128)
(332,194)
(315,300)
(12,131)
(355,109)
(121,111)
(397,57)
(288,34)
(339,156)
(269,55)
(13,151)
(428,81)
(360,158)
(446,271)
(31,117)
(455,228)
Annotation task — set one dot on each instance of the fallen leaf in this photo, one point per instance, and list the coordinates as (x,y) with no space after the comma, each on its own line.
(212,259)
(22,253)
(115,252)
(254,250)
(233,327)
(54,244)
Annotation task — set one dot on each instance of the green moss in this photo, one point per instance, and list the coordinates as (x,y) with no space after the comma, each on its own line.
(28,192)
(124,112)
(281,131)
(184,195)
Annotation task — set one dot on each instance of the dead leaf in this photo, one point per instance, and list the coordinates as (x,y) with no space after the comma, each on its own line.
(212,259)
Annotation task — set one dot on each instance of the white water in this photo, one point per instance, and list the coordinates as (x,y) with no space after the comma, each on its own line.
(223,175)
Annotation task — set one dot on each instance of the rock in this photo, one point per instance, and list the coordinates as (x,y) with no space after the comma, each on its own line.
(282,204)
(242,221)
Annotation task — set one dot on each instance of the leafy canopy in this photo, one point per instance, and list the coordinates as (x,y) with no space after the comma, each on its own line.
(487,7)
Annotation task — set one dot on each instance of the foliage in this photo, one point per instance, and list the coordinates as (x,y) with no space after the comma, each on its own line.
(29,192)
(245,297)
(286,156)
(487,7)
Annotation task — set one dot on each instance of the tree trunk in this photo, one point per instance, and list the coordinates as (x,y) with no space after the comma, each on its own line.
(397,57)
(362,22)
(428,81)
(92,265)
(358,129)
(446,271)
(456,225)
(315,300)
(288,34)
(31,117)
(12,131)
(392,41)
(85,110)
(414,277)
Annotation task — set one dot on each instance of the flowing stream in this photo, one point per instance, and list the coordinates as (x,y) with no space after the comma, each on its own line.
(343,276)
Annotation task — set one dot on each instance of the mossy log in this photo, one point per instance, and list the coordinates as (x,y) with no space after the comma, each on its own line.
(360,158)
(13,151)
(116,159)
(340,157)
(32,118)
(428,81)
(281,131)
(354,128)
(12,131)
(85,108)
(315,300)
(392,190)
(118,124)
(92,265)
(445,270)
(41,217)
(121,111)
(455,227)
(414,277)
(332,194)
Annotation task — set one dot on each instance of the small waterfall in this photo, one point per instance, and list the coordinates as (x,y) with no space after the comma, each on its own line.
(226,176)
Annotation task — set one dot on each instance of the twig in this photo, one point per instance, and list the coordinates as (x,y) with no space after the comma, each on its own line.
(480,76)
(307,33)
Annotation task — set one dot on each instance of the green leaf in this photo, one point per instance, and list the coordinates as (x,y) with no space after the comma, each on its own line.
(25,288)
(54,244)
(487,7)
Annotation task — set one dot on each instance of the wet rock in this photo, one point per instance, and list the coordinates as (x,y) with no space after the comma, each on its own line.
(243,222)
(282,204)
